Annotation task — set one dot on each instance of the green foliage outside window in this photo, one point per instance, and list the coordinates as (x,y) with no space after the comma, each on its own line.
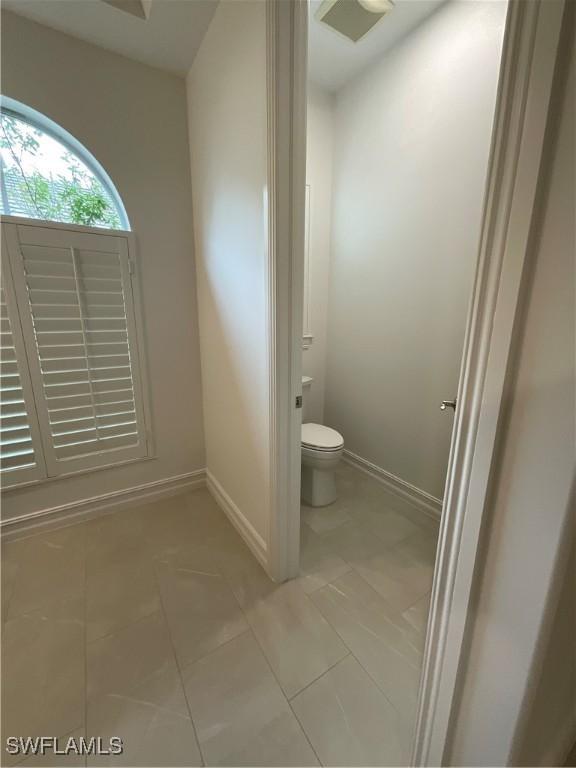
(74,195)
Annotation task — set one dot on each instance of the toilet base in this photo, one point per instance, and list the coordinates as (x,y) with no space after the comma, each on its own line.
(318,487)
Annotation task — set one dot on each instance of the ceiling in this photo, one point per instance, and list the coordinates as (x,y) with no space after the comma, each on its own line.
(167,39)
(333,60)
(172,32)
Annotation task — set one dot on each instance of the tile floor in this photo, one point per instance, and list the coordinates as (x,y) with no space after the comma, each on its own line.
(157,625)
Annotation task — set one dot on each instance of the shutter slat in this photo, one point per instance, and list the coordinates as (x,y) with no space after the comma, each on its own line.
(97,446)
(21,460)
(16,448)
(58,364)
(111,373)
(13,396)
(45,268)
(111,409)
(75,437)
(120,420)
(58,338)
(105,337)
(52,283)
(55,312)
(63,298)
(74,401)
(104,326)
(45,253)
(70,389)
(12,421)
(8,354)
(62,352)
(54,326)
(64,415)
(8,367)
(66,377)
(103,398)
(16,440)
(72,425)
(103,312)
(13,409)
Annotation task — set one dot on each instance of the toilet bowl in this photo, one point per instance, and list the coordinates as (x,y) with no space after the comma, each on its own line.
(322,449)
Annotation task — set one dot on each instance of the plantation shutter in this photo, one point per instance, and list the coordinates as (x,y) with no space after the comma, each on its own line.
(75,297)
(20,449)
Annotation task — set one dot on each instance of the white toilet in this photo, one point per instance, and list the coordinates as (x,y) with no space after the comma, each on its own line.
(322,449)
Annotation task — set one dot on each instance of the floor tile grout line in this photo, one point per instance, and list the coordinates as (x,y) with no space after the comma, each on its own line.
(395,613)
(118,630)
(428,592)
(376,683)
(387,547)
(303,729)
(121,627)
(190,664)
(6,609)
(306,596)
(321,675)
(329,582)
(181,677)
(370,676)
(282,692)
(269,665)
(378,686)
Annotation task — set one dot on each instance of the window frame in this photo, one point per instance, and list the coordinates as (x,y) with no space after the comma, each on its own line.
(23,478)
(47,126)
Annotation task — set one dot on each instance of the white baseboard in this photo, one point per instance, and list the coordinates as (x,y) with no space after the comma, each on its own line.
(243,526)
(78,511)
(425,502)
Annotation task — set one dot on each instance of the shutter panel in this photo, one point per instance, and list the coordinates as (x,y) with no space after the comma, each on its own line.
(21,457)
(84,363)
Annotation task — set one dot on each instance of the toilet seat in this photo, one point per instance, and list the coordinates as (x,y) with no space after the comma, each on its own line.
(321,438)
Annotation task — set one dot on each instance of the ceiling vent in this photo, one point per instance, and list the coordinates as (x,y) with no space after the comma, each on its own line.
(138,8)
(353,18)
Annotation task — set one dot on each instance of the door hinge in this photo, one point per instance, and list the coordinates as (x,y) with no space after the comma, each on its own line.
(298,401)
(130,266)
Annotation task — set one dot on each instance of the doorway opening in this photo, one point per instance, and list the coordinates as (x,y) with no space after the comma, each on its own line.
(399,132)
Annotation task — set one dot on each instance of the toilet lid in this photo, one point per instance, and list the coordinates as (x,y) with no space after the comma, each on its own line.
(321,437)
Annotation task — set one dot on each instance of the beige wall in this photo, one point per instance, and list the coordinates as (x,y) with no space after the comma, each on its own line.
(411,143)
(518,705)
(227,115)
(133,119)
(319,178)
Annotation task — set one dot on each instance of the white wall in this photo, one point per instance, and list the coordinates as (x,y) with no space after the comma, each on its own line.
(411,143)
(319,178)
(518,705)
(133,119)
(227,115)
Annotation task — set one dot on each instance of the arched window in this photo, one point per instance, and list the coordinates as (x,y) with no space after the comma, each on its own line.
(72,393)
(47,174)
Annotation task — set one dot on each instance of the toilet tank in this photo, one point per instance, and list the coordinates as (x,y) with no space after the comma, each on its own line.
(306,384)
